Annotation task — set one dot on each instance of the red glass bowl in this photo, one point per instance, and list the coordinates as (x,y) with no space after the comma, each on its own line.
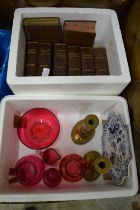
(29,170)
(38,128)
(72,167)
(52,177)
(50,156)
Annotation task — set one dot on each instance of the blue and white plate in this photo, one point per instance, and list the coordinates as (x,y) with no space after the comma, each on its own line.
(116,146)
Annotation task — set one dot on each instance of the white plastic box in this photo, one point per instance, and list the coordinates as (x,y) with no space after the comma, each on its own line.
(69,110)
(108,34)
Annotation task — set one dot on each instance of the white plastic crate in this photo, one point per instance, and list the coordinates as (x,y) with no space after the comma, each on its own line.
(108,35)
(69,110)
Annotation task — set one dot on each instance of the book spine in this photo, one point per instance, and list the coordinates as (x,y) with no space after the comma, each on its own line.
(87,61)
(101,63)
(31,53)
(74,60)
(60,60)
(44,58)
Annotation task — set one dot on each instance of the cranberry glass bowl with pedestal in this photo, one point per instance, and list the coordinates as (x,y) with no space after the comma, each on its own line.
(38,128)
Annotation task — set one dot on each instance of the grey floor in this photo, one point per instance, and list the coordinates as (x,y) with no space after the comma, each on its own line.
(131,203)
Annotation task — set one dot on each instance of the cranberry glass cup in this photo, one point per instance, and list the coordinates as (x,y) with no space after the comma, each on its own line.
(38,128)
(50,156)
(52,177)
(72,167)
(29,170)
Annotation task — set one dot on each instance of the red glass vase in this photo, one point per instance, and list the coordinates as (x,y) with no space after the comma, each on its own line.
(29,170)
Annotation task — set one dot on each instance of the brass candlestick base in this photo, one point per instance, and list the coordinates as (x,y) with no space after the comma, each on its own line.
(96,165)
(91,174)
(84,130)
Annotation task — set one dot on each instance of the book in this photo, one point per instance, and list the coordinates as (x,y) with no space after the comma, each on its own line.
(79,33)
(60,60)
(74,60)
(101,66)
(87,61)
(31,54)
(100,52)
(46,29)
(101,63)
(44,58)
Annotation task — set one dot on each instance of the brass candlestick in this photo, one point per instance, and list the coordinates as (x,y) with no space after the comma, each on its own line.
(96,165)
(91,174)
(84,130)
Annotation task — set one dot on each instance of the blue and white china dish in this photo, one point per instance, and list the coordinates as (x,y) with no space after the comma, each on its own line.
(116,146)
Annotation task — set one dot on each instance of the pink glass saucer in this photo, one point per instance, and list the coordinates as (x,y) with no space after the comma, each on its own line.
(72,167)
(38,128)
(52,177)
(29,170)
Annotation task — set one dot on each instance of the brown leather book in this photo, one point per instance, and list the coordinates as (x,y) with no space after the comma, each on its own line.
(80,33)
(100,52)
(74,61)
(87,61)
(101,63)
(60,60)
(32,47)
(43,29)
(44,58)
(31,54)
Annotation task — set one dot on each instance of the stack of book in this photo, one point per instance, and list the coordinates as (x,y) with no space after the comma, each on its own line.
(63,52)
(41,33)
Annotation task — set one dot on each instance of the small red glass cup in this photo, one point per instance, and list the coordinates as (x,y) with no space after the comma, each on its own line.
(52,177)
(38,128)
(72,167)
(50,156)
(29,170)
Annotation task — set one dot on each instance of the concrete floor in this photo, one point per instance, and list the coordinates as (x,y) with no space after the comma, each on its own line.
(131,203)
